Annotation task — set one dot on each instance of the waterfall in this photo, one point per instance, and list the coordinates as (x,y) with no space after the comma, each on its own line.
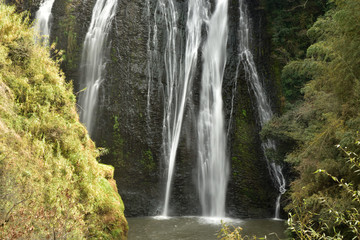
(93,60)
(171,121)
(169,133)
(262,102)
(178,79)
(43,20)
(152,58)
(213,166)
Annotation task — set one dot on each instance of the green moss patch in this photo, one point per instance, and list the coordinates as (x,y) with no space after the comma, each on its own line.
(51,185)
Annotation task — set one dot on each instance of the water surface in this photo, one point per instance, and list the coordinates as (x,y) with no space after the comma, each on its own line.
(195,228)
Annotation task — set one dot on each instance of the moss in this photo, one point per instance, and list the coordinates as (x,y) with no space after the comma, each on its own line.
(117,233)
(117,146)
(107,171)
(50,180)
(110,195)
(147,161)
(244,137)
(114,57)
(244,155)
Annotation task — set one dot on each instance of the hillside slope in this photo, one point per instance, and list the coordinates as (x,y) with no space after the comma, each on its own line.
(51,185)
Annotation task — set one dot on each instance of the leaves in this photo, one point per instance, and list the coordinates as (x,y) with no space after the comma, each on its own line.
(323,101)
(304,225)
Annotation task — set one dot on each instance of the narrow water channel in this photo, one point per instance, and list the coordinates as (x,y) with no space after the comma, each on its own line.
(195,228)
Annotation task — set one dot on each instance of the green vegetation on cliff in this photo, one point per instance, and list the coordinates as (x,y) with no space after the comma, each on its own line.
(323,112)
(51,185)
(288,22)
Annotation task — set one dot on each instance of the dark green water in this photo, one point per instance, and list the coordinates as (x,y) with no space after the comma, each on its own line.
(195,228)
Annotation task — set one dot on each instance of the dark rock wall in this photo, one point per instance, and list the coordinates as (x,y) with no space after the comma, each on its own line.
(250,190)
(71,20)
(122,122)
(133,135)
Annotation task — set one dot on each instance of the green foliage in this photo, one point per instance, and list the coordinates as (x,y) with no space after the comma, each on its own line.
(233,233)
(338,220)
(236,233)
(320,115)
(294,75)
(288,22)
(51,185)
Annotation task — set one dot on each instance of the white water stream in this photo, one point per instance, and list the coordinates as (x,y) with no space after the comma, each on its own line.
(93,60)
(171,129)
(43,19)
(262,102)
(213,166)
(179,78)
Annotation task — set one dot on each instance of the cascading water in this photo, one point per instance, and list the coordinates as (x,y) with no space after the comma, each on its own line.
(171,118)
(178,79)
(43,20)
(262,103)
(213,166)
(92,60)
(152,57)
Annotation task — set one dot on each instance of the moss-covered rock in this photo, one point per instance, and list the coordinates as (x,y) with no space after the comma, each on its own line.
(51,184)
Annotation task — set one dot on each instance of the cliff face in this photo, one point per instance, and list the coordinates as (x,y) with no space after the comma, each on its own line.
(132,129)
(135,149)
(251,193)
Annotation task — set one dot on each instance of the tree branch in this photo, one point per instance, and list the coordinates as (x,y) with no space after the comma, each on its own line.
(16,204)
(301,5)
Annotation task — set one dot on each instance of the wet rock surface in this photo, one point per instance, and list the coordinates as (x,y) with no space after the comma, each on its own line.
(130,127)
(250,190)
